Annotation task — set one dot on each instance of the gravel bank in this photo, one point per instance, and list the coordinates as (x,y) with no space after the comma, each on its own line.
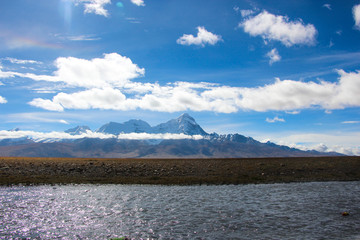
(17,170)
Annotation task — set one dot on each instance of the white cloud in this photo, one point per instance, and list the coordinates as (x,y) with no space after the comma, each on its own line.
(21,61)
(274,56)
(46,104)
(282,95)
(328,142)
(133,20)
(202,38)
(159,136)
(41,136)
(290,95)
(83,38)
(350,122)
(45,90)
(279,28)
(108,85)
(39,117)
(275,119)
(95,6)
(356,15)
(328,111)
(2,100)
(106,98)
(57,136)
(138,2)
(6,74)
(246,12)
(327,5)
(113,70)
(292,112)
(63,121)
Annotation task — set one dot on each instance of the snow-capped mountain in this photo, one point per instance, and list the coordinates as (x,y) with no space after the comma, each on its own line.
(184,124)
(106,142)
(78,130)
(137,126)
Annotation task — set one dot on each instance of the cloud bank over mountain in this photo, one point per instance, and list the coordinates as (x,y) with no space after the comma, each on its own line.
(243,66)
(109,84)
(180,137)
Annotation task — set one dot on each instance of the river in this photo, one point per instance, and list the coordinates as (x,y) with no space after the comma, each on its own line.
(263,211)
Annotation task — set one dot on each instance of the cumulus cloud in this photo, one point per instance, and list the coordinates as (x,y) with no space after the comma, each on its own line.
(58,136)
(112,70)
(138,2)
(282,95)
(46,104)
(356,15)
(106,98)
(274,56)
(2,100)
(109,84)
(94,6)
(275,119)
(279,28)
(202,38)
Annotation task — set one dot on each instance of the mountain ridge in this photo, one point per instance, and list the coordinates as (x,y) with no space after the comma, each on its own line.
(207,146)
(183,124)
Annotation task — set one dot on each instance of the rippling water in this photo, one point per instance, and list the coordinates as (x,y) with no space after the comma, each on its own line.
(269,211)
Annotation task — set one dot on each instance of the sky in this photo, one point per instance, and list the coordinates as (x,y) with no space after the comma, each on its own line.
(284,71)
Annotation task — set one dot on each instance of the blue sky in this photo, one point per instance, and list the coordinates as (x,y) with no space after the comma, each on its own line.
(285,71)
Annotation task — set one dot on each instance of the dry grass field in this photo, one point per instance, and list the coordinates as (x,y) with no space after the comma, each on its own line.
(28,171)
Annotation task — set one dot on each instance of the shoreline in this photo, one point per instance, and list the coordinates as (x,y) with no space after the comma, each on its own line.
(38,171)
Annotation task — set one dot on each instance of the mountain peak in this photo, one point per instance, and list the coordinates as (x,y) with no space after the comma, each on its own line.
(15,130)
(185,117)
(183,124)
(78,130)
(133,125)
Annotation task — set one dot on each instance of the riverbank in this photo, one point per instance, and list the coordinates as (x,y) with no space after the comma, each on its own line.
(27,171)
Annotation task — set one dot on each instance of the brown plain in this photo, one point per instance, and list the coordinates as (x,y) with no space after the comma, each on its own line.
(33,171)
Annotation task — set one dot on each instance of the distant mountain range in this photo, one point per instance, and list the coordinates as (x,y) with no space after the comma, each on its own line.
(184,124)
(205,146)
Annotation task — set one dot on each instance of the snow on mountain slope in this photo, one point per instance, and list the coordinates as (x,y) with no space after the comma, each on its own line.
(183,124)
(78,130)
(131,126)
(180,137)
